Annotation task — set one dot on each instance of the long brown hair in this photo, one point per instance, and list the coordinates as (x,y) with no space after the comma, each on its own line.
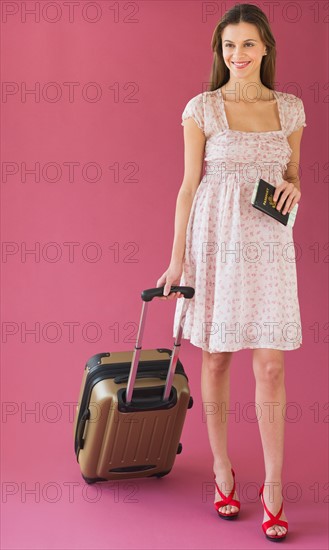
(247,13)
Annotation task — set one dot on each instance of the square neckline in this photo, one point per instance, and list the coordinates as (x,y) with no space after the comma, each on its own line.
(276,98)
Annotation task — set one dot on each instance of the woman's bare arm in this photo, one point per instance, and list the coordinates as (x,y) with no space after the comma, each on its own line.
(291,176)
(194,145)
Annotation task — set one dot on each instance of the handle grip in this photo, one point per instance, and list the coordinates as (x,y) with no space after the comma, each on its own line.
(150,293)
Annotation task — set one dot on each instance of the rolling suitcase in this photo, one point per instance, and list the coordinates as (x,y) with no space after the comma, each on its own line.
(132,406)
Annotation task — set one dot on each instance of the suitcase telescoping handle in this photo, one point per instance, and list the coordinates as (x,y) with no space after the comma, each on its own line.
(147,296)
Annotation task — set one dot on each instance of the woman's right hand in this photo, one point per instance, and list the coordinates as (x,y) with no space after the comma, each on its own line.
(169,278)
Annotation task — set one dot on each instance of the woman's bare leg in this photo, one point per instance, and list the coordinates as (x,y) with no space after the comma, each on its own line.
(215,382)
(268,366)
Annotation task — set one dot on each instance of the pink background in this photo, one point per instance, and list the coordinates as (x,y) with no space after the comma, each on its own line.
(148,59)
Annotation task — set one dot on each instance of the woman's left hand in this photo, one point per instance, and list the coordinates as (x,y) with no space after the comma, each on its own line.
(291,191)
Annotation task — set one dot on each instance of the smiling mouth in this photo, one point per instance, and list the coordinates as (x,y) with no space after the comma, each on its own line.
(241,65)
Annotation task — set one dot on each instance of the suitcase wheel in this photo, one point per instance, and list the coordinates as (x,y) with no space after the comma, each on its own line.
(162,473)
(190,403)
(89,481)
(179,449)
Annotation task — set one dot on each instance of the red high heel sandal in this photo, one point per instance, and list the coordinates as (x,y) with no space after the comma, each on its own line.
(273,521)
(227,500)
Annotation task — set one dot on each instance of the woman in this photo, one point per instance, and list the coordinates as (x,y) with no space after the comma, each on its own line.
(237,258)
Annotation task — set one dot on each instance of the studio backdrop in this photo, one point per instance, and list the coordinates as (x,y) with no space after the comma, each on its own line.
(92,159)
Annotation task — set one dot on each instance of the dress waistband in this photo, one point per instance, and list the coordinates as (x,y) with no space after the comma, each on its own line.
(246,170)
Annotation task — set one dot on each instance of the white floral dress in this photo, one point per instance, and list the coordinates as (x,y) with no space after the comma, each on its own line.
(240,261)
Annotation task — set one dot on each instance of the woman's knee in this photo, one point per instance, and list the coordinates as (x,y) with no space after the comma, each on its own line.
(217,363)
(269,369)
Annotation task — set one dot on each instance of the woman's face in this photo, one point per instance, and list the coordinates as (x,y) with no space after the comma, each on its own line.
(242,43)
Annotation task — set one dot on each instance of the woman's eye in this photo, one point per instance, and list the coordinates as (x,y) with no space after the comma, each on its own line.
(247,44)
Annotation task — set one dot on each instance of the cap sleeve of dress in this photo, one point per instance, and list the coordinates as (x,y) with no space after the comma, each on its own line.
(299,118)
(195,109)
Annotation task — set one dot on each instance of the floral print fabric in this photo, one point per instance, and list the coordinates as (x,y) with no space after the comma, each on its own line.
(240,261)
